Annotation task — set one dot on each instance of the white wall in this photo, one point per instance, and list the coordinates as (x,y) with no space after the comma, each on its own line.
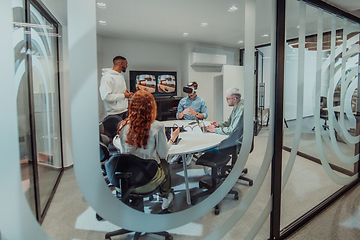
(207,77)
(291,79)
(233,77)
(141,55)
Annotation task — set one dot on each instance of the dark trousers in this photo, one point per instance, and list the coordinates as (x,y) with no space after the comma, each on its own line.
(166,187)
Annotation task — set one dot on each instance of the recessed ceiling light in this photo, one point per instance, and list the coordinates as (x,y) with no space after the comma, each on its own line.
(102,22)
(101,5)
(265,35)
(185,34)
(240,42)
(232,8)
(298,26)
(204,24)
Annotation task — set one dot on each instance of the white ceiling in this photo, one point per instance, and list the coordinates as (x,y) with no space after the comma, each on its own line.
(167,20)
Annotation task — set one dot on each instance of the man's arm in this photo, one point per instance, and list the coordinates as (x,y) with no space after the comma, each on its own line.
(180,109)
(203,110)
(227,130)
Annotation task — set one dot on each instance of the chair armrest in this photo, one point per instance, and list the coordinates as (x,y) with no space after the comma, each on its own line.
(123,175)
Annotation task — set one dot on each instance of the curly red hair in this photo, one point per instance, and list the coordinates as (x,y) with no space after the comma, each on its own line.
(142,112)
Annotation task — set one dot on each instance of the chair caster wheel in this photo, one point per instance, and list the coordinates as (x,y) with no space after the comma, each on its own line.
(236,197)
(217,210)
(169,237)
(245,171)
(251,183)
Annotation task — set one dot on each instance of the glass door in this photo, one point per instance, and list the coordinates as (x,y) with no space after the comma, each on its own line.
(259,92)
(36,73)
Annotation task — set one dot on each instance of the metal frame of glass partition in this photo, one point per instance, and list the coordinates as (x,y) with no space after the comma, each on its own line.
(40,215)
(276,174)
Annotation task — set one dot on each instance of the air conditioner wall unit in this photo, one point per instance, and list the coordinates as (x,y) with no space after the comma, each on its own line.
(203,59)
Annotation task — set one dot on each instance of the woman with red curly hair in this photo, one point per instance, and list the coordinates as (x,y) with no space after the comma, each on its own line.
(141,135)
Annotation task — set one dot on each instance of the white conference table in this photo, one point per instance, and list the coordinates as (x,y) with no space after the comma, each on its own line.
(192,141)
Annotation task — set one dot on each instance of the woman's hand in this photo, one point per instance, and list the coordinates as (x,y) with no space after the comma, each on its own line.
(174,134)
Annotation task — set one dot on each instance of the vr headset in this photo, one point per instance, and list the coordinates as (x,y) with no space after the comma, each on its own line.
(188,89)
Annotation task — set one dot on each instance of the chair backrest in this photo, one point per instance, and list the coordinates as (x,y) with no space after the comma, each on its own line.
(234,141)
(104,152)
(109,126)
(323,102)
(142,170)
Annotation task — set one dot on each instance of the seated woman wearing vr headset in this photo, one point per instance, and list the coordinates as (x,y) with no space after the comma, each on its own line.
(191,106)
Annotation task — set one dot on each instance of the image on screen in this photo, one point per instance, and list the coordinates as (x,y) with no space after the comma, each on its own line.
(166,83)
(158,83)
(145,82)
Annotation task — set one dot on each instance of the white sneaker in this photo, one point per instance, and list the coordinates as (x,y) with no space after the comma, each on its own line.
(175,158)
(188,159)
(166,201)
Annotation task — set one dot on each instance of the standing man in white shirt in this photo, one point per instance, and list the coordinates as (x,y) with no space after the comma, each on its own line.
(113,88)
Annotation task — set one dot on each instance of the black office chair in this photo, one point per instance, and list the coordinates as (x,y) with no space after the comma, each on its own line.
(108,127)
(217,161)
(227,169)
(128,172)
(323,113)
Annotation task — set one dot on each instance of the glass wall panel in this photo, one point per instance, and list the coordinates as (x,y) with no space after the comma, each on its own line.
(22,93)
(214,30)
(36,82)
(321,81)
(44,55)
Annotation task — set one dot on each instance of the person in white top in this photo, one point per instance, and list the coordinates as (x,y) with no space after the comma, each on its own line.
(113,88)
(141,135)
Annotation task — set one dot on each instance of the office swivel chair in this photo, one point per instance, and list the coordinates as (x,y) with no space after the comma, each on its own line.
(323,113)
(127,172)
(217,161)
(108,127)
(227,169)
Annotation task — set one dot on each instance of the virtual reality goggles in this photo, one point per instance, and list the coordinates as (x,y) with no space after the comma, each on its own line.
(188,90)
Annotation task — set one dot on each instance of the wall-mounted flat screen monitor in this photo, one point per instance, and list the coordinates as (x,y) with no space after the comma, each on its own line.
(159,83)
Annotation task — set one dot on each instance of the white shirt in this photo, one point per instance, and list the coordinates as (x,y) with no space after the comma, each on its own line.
(112,88)
(157,146)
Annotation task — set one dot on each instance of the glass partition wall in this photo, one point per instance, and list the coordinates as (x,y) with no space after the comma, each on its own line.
(320,107)
(303,158)
(37,88)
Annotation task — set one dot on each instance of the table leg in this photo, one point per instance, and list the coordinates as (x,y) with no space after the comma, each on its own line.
(188,200)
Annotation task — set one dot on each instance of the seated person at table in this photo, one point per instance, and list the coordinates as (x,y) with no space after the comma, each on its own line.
(141,135)
(191,106)
(233,98)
